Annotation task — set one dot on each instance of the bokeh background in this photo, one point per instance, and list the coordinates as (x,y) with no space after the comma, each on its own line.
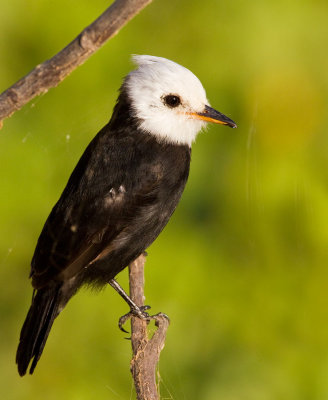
(241,268)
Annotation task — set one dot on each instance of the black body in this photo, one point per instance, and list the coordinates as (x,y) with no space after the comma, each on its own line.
(118,199)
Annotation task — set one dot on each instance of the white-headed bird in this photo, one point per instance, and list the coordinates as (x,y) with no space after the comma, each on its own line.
(121,193)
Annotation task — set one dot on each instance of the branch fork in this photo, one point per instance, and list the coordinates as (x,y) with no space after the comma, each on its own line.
(146,350)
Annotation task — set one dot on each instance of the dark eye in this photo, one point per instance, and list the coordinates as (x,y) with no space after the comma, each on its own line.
(172,100)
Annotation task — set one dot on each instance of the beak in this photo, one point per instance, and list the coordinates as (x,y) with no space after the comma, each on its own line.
(211,115)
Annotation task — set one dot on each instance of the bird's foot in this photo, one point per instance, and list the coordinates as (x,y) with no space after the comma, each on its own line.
(135,311)
(140,312)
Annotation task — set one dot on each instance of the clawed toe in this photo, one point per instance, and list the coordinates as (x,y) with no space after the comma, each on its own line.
(139,312)
(135,311)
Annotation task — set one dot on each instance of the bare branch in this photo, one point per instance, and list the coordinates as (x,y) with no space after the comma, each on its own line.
(146,351)
(51,72)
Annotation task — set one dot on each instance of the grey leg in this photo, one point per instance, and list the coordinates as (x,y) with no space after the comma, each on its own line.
(135,310)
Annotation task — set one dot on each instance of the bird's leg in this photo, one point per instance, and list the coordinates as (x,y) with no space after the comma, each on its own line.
(135,310)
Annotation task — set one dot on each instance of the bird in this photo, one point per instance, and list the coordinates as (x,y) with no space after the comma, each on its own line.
(121,194)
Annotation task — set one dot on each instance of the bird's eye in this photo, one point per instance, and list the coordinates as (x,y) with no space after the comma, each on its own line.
(172,100)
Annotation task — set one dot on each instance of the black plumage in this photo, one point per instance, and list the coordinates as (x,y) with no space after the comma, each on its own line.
(105,218)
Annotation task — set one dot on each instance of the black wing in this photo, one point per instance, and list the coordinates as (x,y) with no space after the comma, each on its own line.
(117,200)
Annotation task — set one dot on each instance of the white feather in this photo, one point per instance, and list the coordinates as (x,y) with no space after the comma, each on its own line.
(155,78)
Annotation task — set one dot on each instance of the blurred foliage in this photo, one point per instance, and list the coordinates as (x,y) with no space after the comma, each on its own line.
(242,266)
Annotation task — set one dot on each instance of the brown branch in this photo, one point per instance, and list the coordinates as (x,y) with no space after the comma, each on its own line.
(51,72)
(146,351)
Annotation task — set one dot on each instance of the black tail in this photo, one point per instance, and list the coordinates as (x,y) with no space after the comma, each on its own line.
(36,328)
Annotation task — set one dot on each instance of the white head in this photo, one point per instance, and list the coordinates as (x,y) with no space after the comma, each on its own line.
(169,100)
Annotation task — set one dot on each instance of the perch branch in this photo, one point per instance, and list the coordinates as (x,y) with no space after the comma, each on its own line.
(51,72)
(146,351)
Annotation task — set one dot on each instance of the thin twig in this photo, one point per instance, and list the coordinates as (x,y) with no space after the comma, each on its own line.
(146,351)
(51,72)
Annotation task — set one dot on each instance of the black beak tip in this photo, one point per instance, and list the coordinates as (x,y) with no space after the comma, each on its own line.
(216,115)
(228,121)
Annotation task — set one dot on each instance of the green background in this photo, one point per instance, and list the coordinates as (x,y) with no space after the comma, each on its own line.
(241,269)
